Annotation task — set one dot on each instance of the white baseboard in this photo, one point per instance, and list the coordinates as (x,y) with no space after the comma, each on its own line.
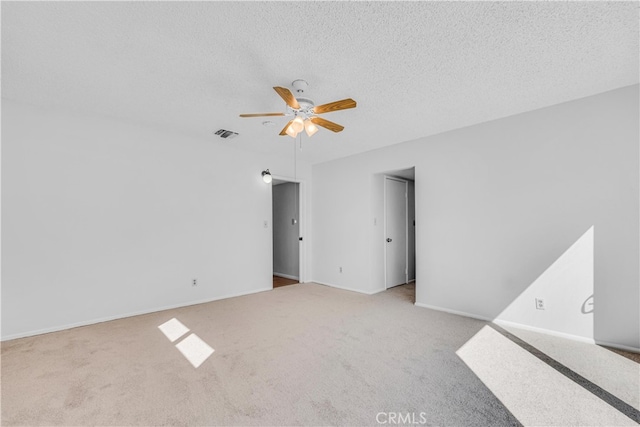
(122,316)
(544,331)
(619,346)
(286,276)
(447,310)
(532,328)
(567,336)
(347,289)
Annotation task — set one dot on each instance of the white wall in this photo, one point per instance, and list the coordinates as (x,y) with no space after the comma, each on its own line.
(102,219)
(563,284)
(496,205)
(285,233)
(341,209)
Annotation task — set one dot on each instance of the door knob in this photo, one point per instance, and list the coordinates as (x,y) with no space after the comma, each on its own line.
(388,239)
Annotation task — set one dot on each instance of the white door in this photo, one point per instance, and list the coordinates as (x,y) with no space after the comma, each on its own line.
(395,215)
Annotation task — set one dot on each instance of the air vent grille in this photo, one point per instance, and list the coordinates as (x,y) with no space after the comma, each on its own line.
(226,134)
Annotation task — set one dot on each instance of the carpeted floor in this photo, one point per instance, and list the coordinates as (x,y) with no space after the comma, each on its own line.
(297,355)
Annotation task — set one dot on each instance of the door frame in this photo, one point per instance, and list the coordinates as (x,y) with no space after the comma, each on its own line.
(406,228)
(302,225)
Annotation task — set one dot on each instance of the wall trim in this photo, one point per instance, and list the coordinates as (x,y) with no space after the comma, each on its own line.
(304,259)
(286,276)
(532,328)
(448,310)
(619,346)
(544,331)
(123,316)
(347,289)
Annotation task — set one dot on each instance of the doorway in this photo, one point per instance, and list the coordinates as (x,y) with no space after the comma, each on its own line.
(286,232)
(399,230)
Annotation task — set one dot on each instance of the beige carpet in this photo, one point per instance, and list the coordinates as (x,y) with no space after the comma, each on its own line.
(297,355)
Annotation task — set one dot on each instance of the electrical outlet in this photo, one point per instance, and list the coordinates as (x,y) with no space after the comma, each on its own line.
(340,269)
(195,282)
(539,304)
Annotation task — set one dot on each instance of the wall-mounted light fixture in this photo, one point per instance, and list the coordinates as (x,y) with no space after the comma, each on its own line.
(266,176)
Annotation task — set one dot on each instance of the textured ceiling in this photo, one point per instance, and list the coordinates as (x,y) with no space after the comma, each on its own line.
(415,68)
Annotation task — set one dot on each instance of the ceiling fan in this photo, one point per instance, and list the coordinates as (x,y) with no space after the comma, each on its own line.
(305,112)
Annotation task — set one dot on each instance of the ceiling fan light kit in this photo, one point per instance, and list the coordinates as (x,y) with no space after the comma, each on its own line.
(290,131)
(304,111)
(297,124)
(310,128)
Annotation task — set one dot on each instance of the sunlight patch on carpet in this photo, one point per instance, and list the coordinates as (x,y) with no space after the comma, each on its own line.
(195,350)
(534,392)
(173,329)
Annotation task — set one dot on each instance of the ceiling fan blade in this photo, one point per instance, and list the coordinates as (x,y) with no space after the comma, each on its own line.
(284,129)
(262,115)
(343,104)
(288,97)
(327,124)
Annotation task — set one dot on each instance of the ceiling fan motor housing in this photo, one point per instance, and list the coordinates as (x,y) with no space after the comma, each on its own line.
(306,108)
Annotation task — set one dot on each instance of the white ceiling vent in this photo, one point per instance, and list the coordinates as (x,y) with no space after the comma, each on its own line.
(226,134)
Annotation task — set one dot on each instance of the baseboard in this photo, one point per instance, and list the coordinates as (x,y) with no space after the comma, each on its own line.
(122,316)
(532,328)
(619,346)
(567,336)
(346,288)
(544,331)
(447,310)
(286,276)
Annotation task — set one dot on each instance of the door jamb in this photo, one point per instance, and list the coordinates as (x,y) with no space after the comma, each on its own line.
(302,225)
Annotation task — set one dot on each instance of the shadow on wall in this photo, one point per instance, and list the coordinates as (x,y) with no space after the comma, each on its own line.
(528,374)
(561,299)
(555,294)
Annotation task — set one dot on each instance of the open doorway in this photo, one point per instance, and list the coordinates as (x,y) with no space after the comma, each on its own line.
(399,229)
(286,232)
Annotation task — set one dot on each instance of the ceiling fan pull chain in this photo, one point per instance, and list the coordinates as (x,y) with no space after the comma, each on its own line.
(295,179)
